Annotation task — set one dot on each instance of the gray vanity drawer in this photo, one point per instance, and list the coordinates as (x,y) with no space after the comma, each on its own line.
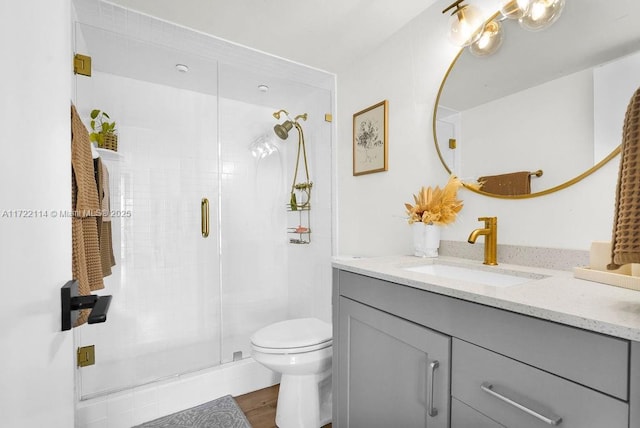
(463,416)
(549,396)
(592,359)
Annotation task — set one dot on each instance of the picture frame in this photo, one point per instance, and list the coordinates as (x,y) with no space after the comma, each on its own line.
(370,139)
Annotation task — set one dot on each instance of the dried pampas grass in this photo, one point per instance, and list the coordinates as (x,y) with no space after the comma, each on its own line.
(436,206)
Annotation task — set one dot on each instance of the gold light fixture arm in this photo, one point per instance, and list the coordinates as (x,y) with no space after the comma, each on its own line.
(455,4)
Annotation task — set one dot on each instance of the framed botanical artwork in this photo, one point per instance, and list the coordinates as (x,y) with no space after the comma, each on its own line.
(370,141)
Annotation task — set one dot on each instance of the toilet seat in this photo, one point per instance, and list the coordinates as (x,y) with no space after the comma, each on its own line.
(300,350)
(293,336)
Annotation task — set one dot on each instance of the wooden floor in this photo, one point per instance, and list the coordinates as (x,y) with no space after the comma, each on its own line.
(260,407)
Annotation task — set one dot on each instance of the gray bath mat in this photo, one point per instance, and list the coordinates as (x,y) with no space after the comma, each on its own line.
(220,413)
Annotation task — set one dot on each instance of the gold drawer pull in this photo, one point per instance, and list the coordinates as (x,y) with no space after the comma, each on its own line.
(493,391)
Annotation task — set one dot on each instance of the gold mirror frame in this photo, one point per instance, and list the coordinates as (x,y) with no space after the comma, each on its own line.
(561,186)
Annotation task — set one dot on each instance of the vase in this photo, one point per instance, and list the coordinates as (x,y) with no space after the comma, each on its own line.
(426,240)
(111,142)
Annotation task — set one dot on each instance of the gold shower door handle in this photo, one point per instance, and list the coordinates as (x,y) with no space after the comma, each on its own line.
(204,213)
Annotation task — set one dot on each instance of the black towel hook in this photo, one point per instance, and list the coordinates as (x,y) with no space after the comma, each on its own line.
(72,303)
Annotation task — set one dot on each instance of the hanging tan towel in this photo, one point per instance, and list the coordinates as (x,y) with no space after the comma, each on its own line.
(625,244)
(86,265)
(511,184)
(107,258)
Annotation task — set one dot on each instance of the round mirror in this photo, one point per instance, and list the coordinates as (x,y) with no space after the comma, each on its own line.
(547,107)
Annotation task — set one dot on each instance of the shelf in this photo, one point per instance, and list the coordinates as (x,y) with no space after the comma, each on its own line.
(305,208)
(107,154)
(298,241)
(298,232)
(300,224)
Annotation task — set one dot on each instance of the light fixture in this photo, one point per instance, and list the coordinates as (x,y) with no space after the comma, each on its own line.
(467,28)
(490,40)
(465,24)
(541,14)
(182,68)
(263,88)
(515,9)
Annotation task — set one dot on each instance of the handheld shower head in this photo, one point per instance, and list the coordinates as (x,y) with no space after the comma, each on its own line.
(282,130)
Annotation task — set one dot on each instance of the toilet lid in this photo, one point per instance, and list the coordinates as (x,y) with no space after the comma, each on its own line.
(297,333)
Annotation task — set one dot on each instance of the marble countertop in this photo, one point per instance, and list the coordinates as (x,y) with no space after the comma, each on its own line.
(558,296)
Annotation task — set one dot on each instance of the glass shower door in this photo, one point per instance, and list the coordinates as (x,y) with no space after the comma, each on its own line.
(164,318)
(265,277)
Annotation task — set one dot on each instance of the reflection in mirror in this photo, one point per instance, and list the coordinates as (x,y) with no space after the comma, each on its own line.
(551,100)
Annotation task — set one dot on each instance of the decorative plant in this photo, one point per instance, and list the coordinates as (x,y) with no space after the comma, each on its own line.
(436,206)
(101,127)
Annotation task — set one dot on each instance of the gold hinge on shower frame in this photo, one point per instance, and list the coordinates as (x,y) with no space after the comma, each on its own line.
(86,356)
(82,64)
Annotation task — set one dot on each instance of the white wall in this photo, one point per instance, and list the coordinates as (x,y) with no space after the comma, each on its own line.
(36,364)
(407,70)
(532,133)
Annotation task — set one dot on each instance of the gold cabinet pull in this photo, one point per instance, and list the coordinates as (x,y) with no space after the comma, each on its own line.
(204,212)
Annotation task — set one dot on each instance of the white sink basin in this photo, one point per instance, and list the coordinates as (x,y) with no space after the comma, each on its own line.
(486,276)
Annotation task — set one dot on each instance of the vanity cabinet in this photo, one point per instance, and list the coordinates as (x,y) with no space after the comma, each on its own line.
(505,369)
(392,370)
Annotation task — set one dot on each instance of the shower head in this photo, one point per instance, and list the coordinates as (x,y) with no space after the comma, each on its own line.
(277,114)
(282,130)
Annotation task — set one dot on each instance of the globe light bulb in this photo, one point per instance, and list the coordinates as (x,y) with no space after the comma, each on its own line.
(541,14)
(465,25)
(490,40)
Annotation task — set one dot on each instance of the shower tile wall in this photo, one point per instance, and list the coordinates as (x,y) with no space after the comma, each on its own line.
(264,277)
(165,315)
(253,229)
(309,273)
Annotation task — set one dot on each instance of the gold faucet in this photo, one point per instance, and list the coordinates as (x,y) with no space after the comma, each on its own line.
(490,232)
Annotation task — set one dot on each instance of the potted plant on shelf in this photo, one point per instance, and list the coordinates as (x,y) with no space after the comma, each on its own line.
(104,132)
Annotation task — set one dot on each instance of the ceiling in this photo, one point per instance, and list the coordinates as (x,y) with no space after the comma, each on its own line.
(325,34)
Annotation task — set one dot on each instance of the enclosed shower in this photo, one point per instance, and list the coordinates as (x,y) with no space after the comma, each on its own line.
(188,108)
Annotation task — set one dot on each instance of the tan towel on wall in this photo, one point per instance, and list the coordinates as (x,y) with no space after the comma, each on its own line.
(107,258)
(625,243)
(86,264)
(511,184)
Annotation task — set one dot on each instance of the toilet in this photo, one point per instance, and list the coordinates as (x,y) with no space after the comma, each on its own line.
(301,350)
